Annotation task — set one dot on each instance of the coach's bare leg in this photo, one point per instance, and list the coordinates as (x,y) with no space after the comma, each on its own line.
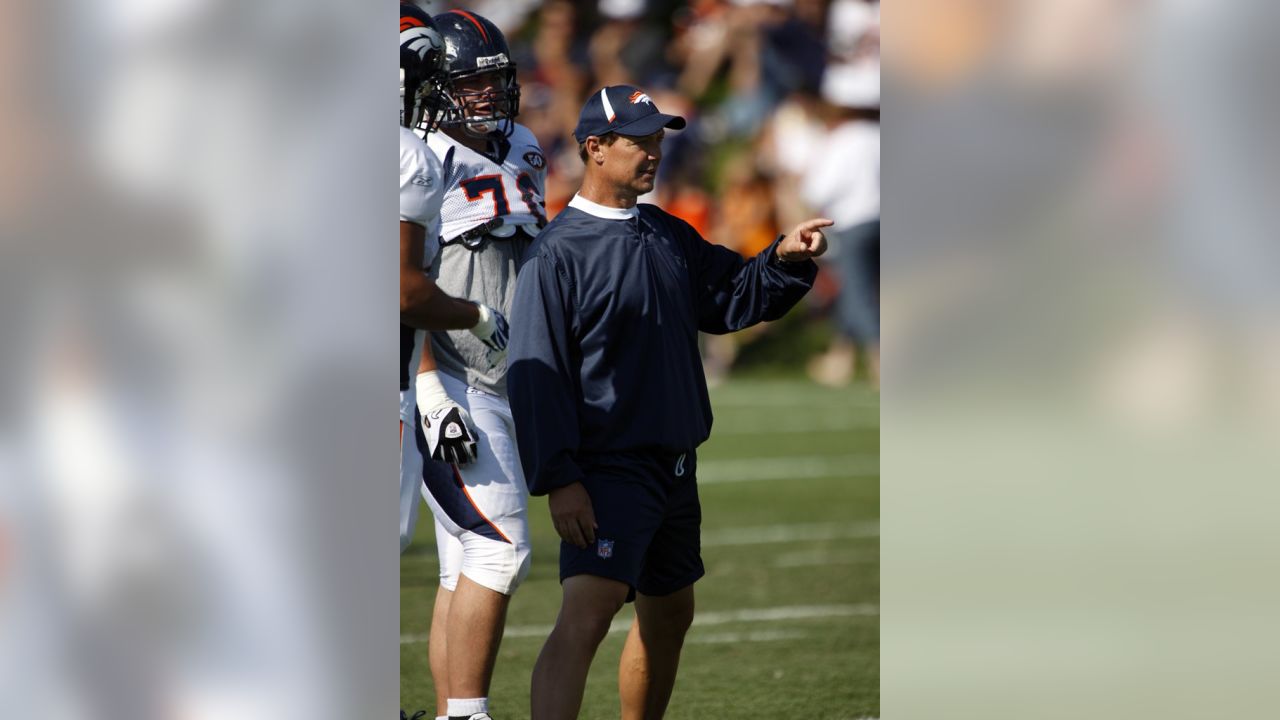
(647,672)
(476,618)
(560,675)
(438,649)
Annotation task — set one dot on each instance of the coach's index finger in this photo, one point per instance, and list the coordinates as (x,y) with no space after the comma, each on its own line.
(809,226)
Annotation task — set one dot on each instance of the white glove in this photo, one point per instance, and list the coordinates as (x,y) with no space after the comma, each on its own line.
(451,435)
(492,331)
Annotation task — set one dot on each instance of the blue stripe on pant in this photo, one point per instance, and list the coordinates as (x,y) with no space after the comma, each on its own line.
(445,485)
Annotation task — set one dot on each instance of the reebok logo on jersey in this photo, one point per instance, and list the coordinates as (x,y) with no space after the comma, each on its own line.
(423,180)
(535,160)
(638,97)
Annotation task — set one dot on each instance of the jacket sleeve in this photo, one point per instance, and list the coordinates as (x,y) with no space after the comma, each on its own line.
(542,383)
(735,293)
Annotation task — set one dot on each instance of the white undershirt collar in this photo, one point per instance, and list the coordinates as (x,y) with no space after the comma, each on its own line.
(603,211)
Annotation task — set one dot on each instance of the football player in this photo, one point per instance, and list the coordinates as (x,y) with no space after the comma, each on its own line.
(422,305)
(492,209)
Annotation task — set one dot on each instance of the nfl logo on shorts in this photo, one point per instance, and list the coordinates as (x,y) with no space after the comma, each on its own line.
(604,548)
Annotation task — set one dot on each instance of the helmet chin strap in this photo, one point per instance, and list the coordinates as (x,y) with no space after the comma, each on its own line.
(496,130)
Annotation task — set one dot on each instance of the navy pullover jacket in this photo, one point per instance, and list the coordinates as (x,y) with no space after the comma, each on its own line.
(604,333)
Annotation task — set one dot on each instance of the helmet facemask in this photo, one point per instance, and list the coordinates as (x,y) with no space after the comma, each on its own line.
(423,103)
(423,78)
(484,114)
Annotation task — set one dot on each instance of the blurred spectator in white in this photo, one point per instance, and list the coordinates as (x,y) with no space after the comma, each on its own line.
(853,30)
(789,144)
(844,184)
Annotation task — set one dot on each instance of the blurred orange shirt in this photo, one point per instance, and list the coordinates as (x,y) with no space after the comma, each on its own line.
(748,218)
(694,207)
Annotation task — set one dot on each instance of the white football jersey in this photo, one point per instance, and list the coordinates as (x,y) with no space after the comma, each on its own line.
(421,189)
(480,189)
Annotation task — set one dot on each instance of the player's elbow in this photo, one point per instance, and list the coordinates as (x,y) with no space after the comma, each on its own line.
(415,292)
(407,287)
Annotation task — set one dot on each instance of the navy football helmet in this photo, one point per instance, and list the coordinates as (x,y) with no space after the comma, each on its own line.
(475,46)
(423,76)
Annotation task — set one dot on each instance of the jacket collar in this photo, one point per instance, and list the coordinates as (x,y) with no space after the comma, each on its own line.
(603,211)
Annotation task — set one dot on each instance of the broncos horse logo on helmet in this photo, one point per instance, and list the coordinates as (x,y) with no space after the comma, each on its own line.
(475,46)
(423,74)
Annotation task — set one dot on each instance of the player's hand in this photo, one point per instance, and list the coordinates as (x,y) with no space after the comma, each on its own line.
(805,241)
(493,332)
(451,435)
(572,515)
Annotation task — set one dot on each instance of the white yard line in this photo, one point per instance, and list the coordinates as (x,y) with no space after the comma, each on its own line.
(800,532)
(739,424)
(750,615)
(789,612)
(795,467)
(736,638)
(816,402)
(824,558)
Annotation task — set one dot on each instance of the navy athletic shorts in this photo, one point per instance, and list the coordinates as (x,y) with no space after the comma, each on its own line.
(649,535)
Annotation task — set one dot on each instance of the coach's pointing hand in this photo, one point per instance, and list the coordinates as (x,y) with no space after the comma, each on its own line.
(572,515)
(806,241)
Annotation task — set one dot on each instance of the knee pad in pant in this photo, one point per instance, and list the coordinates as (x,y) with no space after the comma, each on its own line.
(499,566)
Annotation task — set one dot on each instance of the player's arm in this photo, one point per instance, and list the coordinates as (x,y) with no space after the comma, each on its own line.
(423,305)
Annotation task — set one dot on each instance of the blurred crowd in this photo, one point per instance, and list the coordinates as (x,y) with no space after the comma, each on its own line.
(782,99)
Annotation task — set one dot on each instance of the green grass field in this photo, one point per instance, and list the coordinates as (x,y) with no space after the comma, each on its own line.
(788,613)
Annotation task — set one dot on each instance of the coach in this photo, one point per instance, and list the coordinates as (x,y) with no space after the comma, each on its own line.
(610,402)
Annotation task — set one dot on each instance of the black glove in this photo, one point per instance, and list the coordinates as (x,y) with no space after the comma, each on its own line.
(451,437)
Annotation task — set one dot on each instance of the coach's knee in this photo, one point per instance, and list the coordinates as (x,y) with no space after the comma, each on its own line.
(677,620)
(666,617)
(590,604)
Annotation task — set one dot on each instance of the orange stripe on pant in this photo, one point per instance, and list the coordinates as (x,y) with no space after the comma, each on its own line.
(457,476)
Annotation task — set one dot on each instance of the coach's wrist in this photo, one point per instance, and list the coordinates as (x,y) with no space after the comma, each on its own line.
(555,477)
(775,252)
(566,486)
(798,262)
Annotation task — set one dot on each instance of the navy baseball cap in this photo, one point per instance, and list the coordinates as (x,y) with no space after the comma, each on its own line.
(622,109)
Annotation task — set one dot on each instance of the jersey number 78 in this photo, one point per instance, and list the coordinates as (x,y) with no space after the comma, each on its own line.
(476,187)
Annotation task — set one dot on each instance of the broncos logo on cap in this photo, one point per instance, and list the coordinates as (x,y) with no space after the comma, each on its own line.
(638,97)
